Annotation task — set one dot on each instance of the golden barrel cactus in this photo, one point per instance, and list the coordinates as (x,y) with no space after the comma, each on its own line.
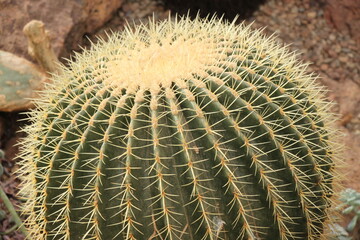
(182,129)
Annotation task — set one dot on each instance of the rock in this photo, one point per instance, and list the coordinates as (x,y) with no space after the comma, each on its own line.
(311,14)
(20,81)
(324,67)
(343,59)
(344,15)
(67,20)
(332,37)
(294,9)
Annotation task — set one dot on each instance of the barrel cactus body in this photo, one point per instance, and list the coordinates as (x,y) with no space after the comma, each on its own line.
(184,129)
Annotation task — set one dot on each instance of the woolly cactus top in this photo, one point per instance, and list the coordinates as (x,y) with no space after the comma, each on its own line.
(160,54)
(185,129)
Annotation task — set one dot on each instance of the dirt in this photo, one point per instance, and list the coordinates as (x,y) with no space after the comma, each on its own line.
(301,24)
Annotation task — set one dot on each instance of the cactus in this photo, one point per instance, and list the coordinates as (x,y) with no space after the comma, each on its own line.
(182,129)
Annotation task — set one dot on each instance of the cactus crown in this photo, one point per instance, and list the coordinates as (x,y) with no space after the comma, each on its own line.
(185,129)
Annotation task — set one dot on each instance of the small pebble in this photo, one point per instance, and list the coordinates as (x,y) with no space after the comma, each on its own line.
(311,14)
(343,59)
(324,67)
(332,37)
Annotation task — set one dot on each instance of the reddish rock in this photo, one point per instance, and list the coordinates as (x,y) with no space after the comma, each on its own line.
(66,20)
(344,15)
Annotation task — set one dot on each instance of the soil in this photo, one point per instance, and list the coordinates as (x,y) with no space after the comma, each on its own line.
(300,24)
